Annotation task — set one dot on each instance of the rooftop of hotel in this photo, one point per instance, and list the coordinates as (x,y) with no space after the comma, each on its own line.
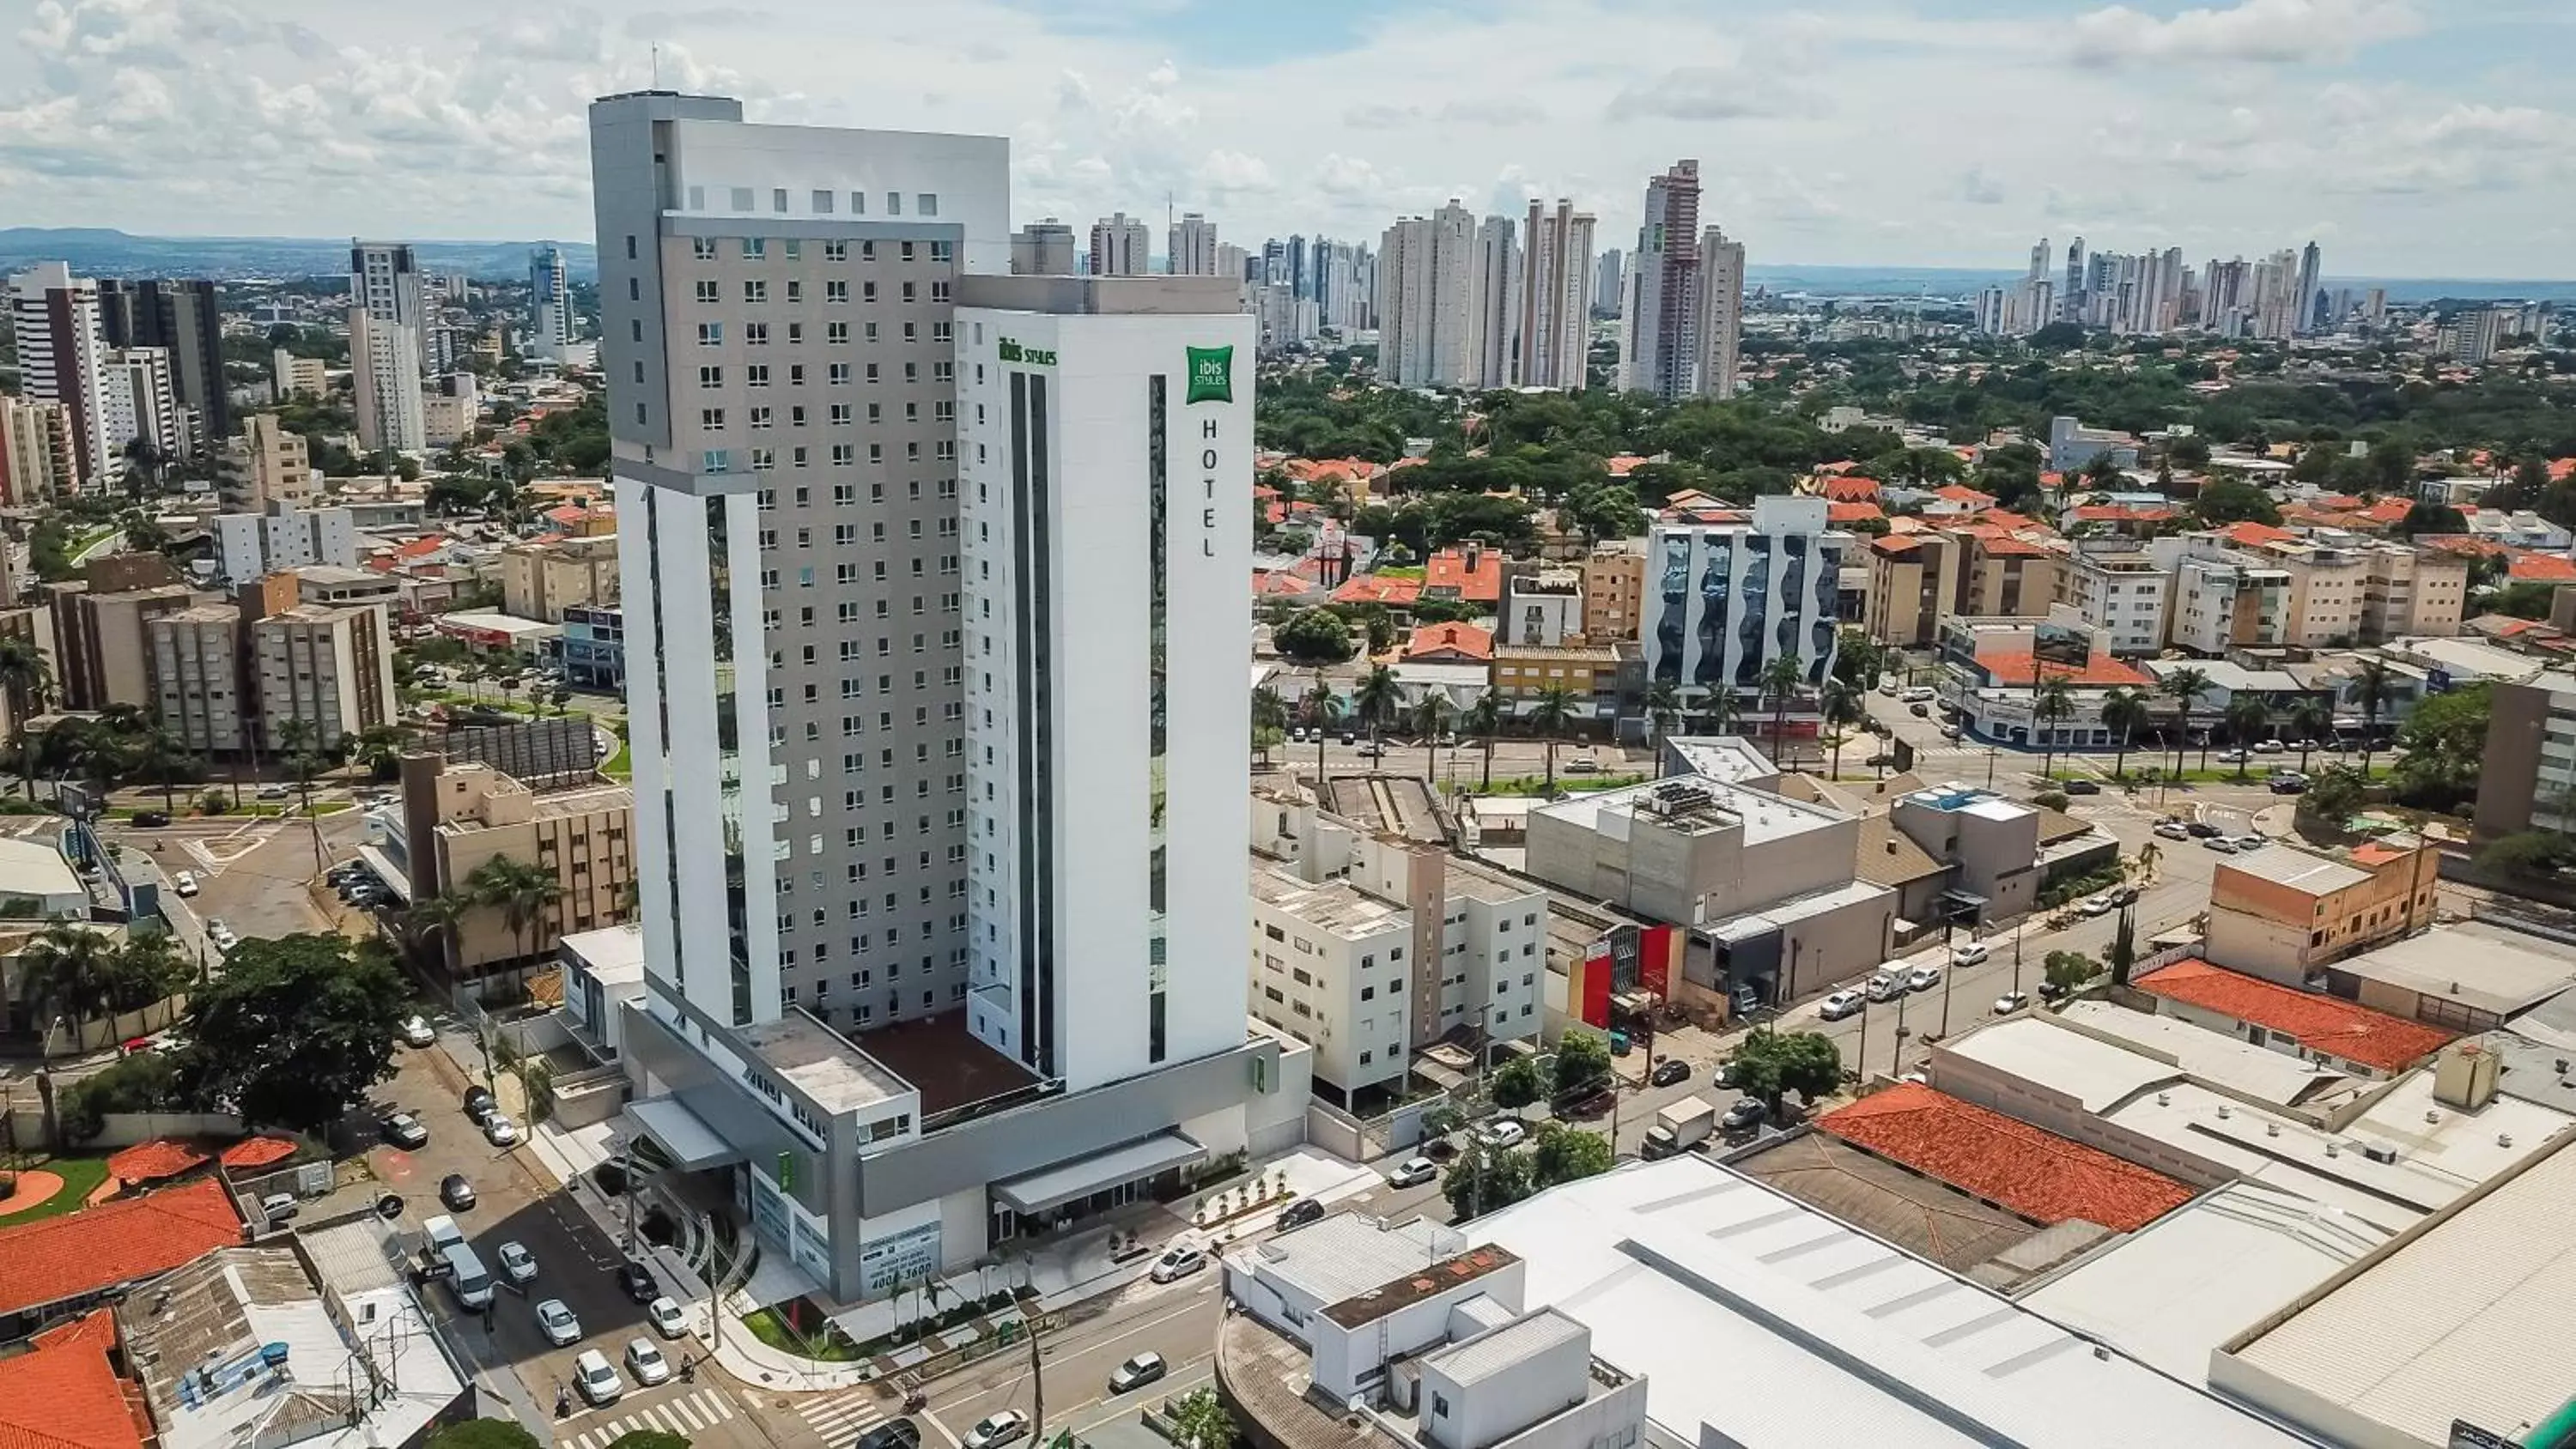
(1694,802)
(1336,906)
(821,1063)
(939,1058)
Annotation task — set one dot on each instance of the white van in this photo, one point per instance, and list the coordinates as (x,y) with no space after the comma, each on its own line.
(442,1233)
(466,1278)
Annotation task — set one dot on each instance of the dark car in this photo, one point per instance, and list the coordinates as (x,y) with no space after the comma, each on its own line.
(1669,1071)
(636,1281)
(2083,787)
(2202,830)
(1919,711)
(892,1434)
(456,1192)
(1746,1112)
(1299,1213)
(151,819)
(479,1105)
(2289,787)
(1882,758)
(1590,1105)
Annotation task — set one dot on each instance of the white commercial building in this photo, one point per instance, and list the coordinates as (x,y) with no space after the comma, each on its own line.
(285,537)
(388,342)
(1725,599)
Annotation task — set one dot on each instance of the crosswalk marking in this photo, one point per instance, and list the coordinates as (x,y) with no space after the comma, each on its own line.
(849,1411)
(689,1413)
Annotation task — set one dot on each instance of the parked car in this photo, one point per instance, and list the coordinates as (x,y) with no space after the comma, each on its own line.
(1971,954)
(277,1207)
(1919,711)
(517,1263)
(185,883)
(1137,1372)
(2270,747)
(2010,1002)
(456,1192)
(1502,1132)
(636,1281)
(1917,694)
(1412,1172)
(1885,986)
(2051,991)
(667,1319)
(1591,1105)
(1299,1213)
(1882,760)
(1668,1072)
(556,1322)
(1923,978)
(995,1430)
(416,1032)
(645,1361)
(151,819)
(1581,765)
(500,1131)
(2100,905)
(2221,844)
(2251,842)
(479,1104)
(403,1130)
(2290,787)
(1371,750)
(2202,830)
(1950,732)
(1744,1112)
(1841,1004)
(598,1382)
(2233,757)
(2172,830)
(274,792)
(892,1434)
(2082,787)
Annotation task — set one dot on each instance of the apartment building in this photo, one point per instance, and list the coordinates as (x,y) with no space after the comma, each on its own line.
(197,688)
(102,655)
(451,408)
(1614,593)
(2529,779)
(1730,597)
(1542,606)
(2411,593)
(38,462)
(2284,913)
(330,666)
(2224,600)
(543,580)
(2116,584)
(1589,672)
(265,467)
(1328,967)
(1912,576)
(295,376)
(283,536)
(458,815)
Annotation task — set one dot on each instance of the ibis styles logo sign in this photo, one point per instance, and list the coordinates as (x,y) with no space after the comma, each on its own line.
(1211,374)
(1027,356)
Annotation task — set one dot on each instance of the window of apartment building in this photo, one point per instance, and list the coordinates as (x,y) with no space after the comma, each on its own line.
(755,290)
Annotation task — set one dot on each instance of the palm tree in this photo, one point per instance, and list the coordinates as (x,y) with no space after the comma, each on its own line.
(1323,707)
(2124,713)
(2184,685)
(1780,679)
(296,740)
(156,751)
(2311,719)
(1844,707)
(439,916)
(2370,690)
(522,893)
(1484,721)
(1269,718)
(2054,700)
(1431,720)
(380,748)
(1377,698)
(1552,712)
(1663,706)
(24,678)
(64,972)
(2246,718)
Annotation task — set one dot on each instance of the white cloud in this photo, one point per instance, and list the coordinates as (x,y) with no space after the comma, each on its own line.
(2261,31)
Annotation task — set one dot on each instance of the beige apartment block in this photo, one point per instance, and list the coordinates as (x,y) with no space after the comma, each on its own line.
(329,667)
(265,465)
(1912,577)
(36,457)
(299,376)
(2409,593)
(101,653)
(541,580)
(1614,594)
(196,656)
(459,816)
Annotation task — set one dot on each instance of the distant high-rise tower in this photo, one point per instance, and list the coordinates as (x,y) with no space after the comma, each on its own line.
(1606,278)
(1119,246)
(1426,300)
(1720,329)
(1300,280)
(1659,346)
(1191,250)
(549,304)
(62,357)
(1042,249)
(183,319)
(385,346)
(1495,296)
(2072,296)
(2311,268)
(1556,310)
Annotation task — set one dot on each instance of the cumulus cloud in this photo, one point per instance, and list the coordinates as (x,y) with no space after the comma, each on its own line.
(1976,188)
(2270,32)
(1708,93)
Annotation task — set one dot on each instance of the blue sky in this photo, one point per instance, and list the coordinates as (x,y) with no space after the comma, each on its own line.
(2409,137)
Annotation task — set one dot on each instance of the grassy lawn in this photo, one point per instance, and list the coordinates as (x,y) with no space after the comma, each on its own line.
(81,1176)
(620,766)
(1537,784)
(830,1346)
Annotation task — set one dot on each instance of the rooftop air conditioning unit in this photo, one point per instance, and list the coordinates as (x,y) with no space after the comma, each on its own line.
(2379,1152)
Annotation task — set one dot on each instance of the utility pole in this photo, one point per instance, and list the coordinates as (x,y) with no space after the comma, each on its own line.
(1037,1390)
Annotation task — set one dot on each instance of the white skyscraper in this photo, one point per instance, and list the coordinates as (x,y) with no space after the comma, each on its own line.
(1107,524)
(1496,303)
(896,691)
(1555,303)
(1659,323)
(387,352)
(62,357)
(1721,312)
(1191,251)
(550,323)
(1426,299)
(1119,246)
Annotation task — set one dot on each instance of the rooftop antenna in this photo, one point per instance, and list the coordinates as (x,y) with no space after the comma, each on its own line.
(657,65)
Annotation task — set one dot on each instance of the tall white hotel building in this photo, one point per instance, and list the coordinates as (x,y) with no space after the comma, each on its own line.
(935,629)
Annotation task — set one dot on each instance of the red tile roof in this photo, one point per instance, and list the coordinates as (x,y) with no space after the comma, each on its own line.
(1307,470)
(1624,464)
(2547,568)
(1482,584)
(2006,546)
(1962,493)
(2249,532)
(2562,469)
(255,1152)
(2124,513)
(1464,639)
(2013,667)
(116,1242)
(1895,545)
(1863,512)
(2387,510)
(154,1160)
(1378,589)
(2040,1175)
(1278,585)
(1850,488)
(2320,1023)
(66,1394)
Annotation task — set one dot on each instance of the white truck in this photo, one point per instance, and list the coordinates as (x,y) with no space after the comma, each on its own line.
(1679,1126)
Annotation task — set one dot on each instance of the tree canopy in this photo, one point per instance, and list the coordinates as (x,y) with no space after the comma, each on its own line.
(296,1029)
(1772,1063)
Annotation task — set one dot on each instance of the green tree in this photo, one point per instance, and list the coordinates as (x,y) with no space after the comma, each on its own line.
(1772,1063)
(380,748)
(649,1439)
(483,1434)
(1316,636)
(157,752)
(1482,1178)
(1485,721)
(2228,501)
(1563,1154)
(2334,795)
(64,974)
(2124,947)
(1323,709)
(522,893)
(2184,687)
(1844,707)
(2124,713)
(1663,706)
(1515,1084)
(1377,696)
(1582,1065)
(2067,971)
(2311,720)
(1431,721)
(294,1031)
(25,679)
(2445,741)
(2247,718)
(1780,679)
(1859,660)
(1200,1421)
(2372,688)
(1550,716)
(2524,599)
(2053,701)
(1269,720)
(2433,518)
(2534,853)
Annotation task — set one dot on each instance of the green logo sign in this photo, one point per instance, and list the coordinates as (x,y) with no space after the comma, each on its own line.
(1211,374)
(1030,356)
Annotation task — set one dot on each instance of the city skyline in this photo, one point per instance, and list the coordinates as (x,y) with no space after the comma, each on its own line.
(1838,136)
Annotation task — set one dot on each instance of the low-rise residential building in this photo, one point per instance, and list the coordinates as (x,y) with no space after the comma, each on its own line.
(299,376)
(265,467)
(594,648)
(1328,967)
(102,653)
(541,580)
(2224,600)
(1614,592)
(1589,672)
(331,667)
(2119,588)
(1542,606)
(1992,667)
(54,1266)
(1469,574)
(2283,912)
(2341,1035)
(284,536)
(457,816)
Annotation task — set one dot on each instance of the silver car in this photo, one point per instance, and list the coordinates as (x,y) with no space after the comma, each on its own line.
(561,1328)
(645,1361)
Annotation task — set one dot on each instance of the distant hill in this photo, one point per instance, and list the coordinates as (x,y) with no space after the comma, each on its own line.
(100,252)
